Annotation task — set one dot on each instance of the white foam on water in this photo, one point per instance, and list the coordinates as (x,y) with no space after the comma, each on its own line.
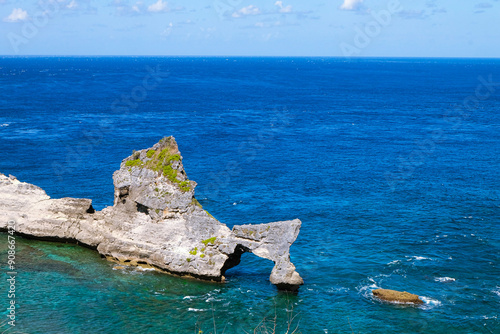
(497,291)
(394,262)
(430,302)
(366,290)
(144,269)
(485,317)
(196,310)
(418,258)
(445,279)
(4,125)
(337,289)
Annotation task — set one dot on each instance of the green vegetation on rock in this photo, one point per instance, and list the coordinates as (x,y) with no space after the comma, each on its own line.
(161,161)
(170,173)
(185,186)
(195,202)
(209,241)
(209,214)
(132,163)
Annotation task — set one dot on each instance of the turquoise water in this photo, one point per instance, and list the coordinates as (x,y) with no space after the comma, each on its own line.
(394,188)
(65,288)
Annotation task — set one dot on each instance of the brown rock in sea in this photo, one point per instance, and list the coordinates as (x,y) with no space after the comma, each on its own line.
(394,296)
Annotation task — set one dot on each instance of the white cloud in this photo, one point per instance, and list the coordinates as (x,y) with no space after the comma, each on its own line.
(168,30)
(136,9)
(249,10)
(72,5)
(157,7)
(351,4)
(287,9)
(123,8)
(270,24)
(17,15)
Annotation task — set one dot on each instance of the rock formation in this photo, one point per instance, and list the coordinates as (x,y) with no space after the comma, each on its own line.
(155,221)
(397,296)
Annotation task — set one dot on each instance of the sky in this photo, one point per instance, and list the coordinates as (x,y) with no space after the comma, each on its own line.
(323,28)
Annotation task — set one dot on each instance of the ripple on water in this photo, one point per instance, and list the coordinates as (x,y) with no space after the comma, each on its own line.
(445,279)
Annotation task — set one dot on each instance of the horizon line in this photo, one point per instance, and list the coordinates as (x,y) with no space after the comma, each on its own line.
(254,56)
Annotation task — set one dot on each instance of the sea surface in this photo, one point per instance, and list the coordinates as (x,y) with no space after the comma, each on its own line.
(391,164)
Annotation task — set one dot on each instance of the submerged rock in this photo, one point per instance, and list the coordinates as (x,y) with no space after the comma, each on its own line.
(397,296)
(155,222)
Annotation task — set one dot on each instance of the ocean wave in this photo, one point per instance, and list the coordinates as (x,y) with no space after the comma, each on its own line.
(394,262)
(418,258)
(445,279)
(430,302)
(4,125)
(139,268)
(497,291)
(366,290)
(28,131)
(196,310)
(485,317)
(212,299)
(337,290)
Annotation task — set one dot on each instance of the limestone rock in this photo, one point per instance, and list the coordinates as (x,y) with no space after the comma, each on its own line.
(155,222)
(397,296)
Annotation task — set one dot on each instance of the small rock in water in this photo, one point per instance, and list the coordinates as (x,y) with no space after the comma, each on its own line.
(394,296)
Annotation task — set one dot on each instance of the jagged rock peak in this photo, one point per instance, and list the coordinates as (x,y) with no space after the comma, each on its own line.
(155,181)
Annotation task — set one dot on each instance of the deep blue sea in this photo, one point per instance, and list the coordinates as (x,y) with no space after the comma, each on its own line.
(391,164)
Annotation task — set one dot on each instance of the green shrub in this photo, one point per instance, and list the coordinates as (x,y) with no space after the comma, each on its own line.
(170,173)
(150,153)
(132,163)
(185,186)
(162,162)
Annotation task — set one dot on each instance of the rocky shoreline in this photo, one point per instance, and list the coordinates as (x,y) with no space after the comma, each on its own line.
(155,221)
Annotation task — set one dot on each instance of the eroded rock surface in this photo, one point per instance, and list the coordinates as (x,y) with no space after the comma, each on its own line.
(155,221)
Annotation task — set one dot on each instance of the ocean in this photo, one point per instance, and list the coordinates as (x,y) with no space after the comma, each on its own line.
(391,164)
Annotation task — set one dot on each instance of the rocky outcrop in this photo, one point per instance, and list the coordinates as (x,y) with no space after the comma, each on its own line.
(155,221)
(394,296)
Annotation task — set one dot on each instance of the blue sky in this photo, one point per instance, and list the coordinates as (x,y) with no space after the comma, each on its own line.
(365,28)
